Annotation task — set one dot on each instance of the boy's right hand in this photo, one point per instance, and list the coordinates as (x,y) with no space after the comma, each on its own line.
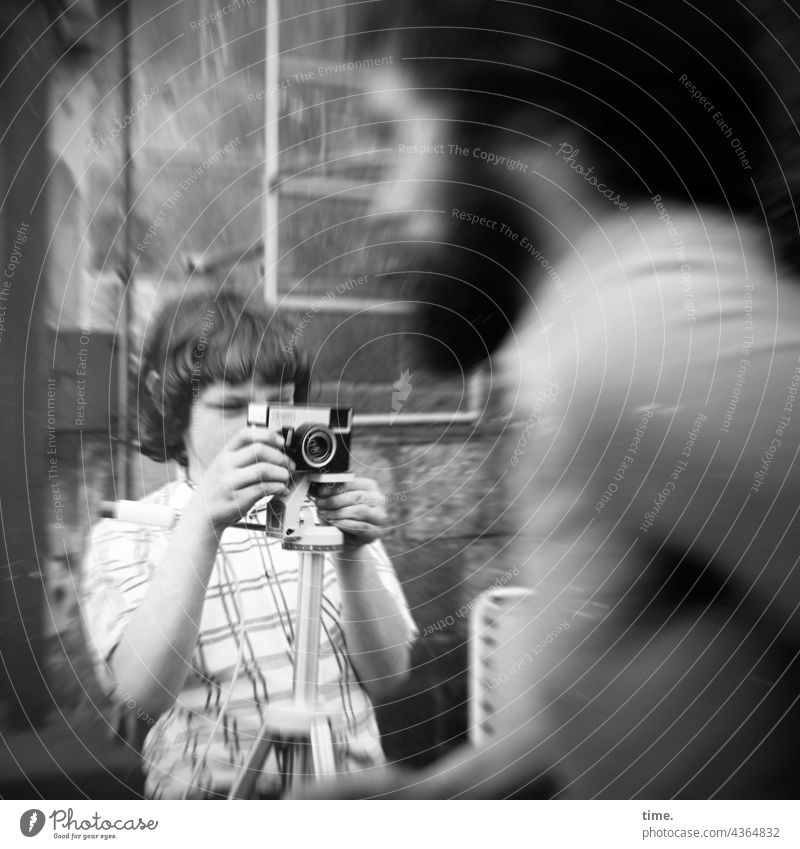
(251,466)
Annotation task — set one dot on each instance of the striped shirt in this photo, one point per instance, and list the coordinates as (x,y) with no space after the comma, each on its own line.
(214,721)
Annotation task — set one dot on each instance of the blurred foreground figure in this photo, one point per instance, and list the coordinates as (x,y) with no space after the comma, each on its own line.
(609,195)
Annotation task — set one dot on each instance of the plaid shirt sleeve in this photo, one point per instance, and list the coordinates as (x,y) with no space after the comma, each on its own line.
(116,571)
(388,578)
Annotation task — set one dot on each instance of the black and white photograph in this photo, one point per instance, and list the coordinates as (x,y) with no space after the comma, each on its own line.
(400,402)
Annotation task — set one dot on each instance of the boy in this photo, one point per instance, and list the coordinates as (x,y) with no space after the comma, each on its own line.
(193,627)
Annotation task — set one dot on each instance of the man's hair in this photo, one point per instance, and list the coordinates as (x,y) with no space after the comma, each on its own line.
(628,76)
(694,101)
(202,338)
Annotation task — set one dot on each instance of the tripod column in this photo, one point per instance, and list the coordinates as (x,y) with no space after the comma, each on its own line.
(308,627)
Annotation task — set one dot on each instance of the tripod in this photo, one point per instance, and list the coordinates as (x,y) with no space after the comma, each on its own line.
(300,734)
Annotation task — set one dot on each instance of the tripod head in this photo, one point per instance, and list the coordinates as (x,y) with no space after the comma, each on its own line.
(292,518)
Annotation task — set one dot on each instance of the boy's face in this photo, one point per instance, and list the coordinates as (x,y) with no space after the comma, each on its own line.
(218,411)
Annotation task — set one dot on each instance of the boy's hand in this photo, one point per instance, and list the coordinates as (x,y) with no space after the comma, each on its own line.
(356,507)
(251,466)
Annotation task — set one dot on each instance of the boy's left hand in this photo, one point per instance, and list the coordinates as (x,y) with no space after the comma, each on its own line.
(357,508)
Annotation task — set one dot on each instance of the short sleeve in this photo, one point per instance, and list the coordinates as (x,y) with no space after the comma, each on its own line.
(389,580)
(116,570)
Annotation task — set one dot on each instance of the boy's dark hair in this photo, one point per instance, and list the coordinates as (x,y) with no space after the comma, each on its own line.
(203,338)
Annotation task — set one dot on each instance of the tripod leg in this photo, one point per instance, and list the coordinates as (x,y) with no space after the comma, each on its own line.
(322,751)
(309,758)
(297,768)
(246,780)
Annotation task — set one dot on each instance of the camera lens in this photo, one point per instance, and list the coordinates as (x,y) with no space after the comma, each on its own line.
(317,446)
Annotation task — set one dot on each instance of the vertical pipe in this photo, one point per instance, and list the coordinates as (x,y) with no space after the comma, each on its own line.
(123,430)
(271,150)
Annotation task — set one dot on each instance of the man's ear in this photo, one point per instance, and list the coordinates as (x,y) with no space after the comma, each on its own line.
(155,387)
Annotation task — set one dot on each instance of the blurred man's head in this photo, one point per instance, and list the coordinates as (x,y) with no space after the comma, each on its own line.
(514,100)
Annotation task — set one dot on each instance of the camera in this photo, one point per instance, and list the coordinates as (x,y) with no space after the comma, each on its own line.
(317,437)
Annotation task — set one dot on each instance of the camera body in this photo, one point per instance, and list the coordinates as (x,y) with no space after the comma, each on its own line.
(317,436)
